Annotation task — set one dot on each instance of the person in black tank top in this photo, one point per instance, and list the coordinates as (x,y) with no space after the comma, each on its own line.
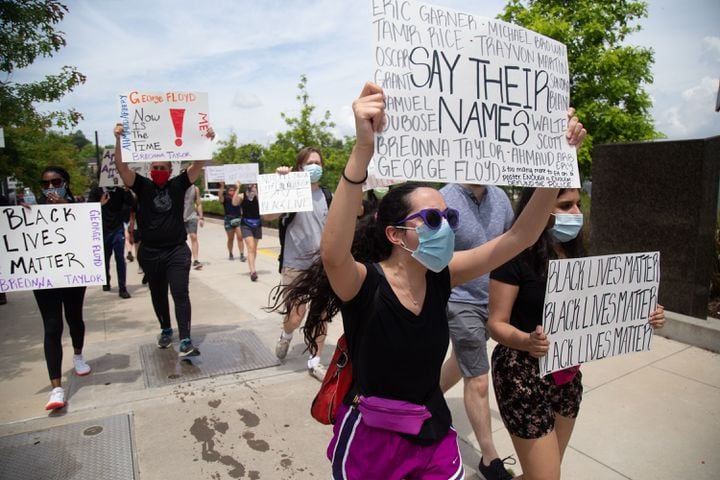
(391,275)
(251,224)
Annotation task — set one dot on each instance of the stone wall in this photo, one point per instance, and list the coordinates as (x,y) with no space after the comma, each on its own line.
(662,196)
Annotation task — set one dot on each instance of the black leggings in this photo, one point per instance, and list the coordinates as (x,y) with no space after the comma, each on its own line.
(51,303)
(165,267)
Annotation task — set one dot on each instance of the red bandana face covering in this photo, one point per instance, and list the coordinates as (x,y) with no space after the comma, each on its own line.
(160,177)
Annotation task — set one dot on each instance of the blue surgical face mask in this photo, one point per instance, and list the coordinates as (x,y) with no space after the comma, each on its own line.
(60,191)
(567,226)
(435,247)
(315,172)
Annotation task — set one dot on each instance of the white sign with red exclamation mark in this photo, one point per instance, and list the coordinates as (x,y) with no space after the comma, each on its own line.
(165,126)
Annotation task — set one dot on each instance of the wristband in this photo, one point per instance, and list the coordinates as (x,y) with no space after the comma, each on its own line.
(353,182)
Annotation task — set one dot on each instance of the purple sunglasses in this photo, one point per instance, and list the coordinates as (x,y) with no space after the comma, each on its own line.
(433,217)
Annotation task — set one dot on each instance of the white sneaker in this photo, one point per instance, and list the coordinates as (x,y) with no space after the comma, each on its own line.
(81,368)
(57,399)
(318,372)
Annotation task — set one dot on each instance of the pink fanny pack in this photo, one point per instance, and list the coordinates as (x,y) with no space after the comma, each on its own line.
(561,377)
(393,415)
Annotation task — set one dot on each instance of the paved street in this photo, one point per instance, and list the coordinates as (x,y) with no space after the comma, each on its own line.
(654,415)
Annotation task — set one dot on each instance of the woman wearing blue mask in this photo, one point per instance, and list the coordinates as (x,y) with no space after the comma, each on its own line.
(300,234)
(538,412)
(55,184)
(391,276)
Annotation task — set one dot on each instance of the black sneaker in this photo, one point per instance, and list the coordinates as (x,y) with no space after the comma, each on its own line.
(165,338)
(242,257)
(106,288)
(187,349)
(495,471)
(197,265)
(124,293)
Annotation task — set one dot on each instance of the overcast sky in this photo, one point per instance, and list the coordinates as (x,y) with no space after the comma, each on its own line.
(249,55)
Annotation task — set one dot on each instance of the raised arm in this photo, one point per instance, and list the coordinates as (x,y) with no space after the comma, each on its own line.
(469,264)
(196,167)
(346,275)
(125,172)
(238,197)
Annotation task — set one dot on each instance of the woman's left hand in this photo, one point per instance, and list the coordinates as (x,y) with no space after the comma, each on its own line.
(369,111)
(53,197)
(575,132)
(657,319)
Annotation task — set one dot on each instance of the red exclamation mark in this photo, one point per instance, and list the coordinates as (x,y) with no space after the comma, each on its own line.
(177,115)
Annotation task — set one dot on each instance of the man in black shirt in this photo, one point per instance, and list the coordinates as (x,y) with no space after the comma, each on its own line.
(114,202)
(164,255)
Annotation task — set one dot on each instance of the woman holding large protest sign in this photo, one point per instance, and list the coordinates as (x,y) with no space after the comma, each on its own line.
(51,302)
(395,422)
(539,412)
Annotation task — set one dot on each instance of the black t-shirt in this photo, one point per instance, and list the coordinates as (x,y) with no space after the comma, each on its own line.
(396,354)
(232,211)
(250,208)
(160,210)
(113,211)
(528,307)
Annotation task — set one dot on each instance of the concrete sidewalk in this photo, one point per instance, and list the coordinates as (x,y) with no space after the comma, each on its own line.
(654,415)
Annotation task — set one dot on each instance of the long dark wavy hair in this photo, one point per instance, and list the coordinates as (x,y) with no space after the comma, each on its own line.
(369,245)
(537,256)
(65,176)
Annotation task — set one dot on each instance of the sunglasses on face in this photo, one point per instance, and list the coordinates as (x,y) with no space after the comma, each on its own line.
(433,217)
(55,182)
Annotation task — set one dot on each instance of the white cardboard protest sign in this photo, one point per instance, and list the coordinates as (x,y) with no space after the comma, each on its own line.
(245,173)
(215,173)
(284,193)
(375,181)
(51,246)
(470,99)
(165,126)
(109,176)
(598,307)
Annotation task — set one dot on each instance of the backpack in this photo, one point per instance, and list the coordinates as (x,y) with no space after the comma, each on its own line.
(284,223)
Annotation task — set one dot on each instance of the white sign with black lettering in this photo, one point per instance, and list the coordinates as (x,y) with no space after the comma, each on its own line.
(598,307)
(51,246)
(284,193)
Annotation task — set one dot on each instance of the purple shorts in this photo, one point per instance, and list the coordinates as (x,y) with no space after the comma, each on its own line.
(358,451)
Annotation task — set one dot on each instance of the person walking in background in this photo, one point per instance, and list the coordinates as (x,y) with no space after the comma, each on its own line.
(233,217)
(486,214)
(193,215)
(538,412)
(55,184)
(164,254)
(114,203)
(300,238)
(251,226)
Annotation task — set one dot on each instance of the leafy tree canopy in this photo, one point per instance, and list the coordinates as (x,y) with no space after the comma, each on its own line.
(27,31)
(607,76)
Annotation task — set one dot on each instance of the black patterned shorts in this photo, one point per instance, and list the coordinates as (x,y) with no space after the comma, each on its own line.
(527,402)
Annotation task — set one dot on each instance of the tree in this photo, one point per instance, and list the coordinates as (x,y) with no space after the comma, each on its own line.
(607,77)
(42,149)
(27,31)
(306,132)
